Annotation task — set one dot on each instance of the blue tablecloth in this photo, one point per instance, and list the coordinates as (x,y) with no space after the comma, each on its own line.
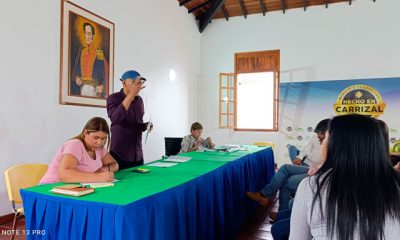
(211,206)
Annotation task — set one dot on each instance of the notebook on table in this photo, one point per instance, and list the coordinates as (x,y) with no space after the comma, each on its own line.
(72,190)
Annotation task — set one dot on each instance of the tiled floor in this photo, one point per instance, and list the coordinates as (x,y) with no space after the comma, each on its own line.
(5,230)
(258,227)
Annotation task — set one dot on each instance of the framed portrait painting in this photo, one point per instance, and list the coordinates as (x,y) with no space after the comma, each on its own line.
(87,57)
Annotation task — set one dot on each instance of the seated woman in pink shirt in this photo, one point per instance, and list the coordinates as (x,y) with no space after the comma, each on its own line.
(84,157)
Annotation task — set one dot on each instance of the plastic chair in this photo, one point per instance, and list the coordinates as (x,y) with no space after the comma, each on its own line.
(264,144)
(21,176)
(172,145)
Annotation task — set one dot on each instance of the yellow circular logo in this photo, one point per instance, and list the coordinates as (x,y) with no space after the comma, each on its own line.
(360,99)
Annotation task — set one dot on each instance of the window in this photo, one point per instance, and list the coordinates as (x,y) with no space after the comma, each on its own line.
(226,100)
(248,99)
(255,106)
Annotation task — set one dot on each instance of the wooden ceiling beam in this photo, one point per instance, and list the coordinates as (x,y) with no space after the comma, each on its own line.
(243,7)
(262,6)
(184,2)
(207,16)
(226,14)
(199,6)
(283,6)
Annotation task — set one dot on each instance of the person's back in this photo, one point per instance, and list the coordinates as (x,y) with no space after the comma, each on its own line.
(316,226)
(356,193)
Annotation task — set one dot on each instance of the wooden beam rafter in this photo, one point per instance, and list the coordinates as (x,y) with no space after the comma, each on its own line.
(243,8)
(206,17)
(283,6)
(184,2)
(263,8)
(199,6)
(226,14)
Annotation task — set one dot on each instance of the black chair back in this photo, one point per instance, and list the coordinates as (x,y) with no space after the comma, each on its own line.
(172,145)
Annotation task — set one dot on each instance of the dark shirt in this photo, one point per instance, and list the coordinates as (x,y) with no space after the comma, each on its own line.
(126,127)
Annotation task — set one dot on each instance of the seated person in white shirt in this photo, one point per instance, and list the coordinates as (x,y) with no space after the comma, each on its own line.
(194,141)
(309,155)
(288,177)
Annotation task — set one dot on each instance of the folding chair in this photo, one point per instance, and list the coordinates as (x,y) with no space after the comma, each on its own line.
(21,176)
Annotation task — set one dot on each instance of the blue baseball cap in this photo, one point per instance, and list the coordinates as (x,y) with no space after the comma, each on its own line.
(131,74)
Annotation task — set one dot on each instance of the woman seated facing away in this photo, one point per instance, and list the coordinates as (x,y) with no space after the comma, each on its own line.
(194,141)
(84,157)
(356,192)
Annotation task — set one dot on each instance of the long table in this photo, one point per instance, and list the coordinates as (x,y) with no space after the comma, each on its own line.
(203,198)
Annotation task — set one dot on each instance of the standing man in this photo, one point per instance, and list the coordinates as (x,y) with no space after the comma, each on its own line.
(125,110)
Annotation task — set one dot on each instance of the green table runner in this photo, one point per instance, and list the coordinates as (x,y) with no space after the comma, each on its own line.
(134,186)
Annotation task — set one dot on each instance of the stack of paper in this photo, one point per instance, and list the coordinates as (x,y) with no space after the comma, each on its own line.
(161,164)
(175,158)
(100,184)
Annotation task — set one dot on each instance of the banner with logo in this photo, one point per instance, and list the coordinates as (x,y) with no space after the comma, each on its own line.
(303,104)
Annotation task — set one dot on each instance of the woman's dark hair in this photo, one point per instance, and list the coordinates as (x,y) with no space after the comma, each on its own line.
(94,124)
(196,126)
(361,186)
(385,131)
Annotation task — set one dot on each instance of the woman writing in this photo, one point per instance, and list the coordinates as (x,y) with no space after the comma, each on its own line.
(84,157)
(194,141)
(356,192)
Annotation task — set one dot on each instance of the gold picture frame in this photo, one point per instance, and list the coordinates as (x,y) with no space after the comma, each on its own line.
(87,57)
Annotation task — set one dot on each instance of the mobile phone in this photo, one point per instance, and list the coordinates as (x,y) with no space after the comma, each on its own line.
(141,170)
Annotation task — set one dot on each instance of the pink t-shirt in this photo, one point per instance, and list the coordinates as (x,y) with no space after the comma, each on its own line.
(85,163)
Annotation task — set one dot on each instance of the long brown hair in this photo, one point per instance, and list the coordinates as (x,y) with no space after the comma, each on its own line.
(94,124)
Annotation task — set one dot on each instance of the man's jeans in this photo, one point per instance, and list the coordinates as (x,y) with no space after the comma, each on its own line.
(281,228)
(293,153)
(286,180)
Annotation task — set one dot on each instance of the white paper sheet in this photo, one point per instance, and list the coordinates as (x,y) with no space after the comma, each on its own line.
(175,158)
(161,164)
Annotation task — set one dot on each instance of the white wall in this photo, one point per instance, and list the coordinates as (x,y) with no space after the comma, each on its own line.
(341,42)
(151,36)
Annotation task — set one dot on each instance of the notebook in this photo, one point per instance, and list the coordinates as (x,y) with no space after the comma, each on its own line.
(72,190)
(100,184)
